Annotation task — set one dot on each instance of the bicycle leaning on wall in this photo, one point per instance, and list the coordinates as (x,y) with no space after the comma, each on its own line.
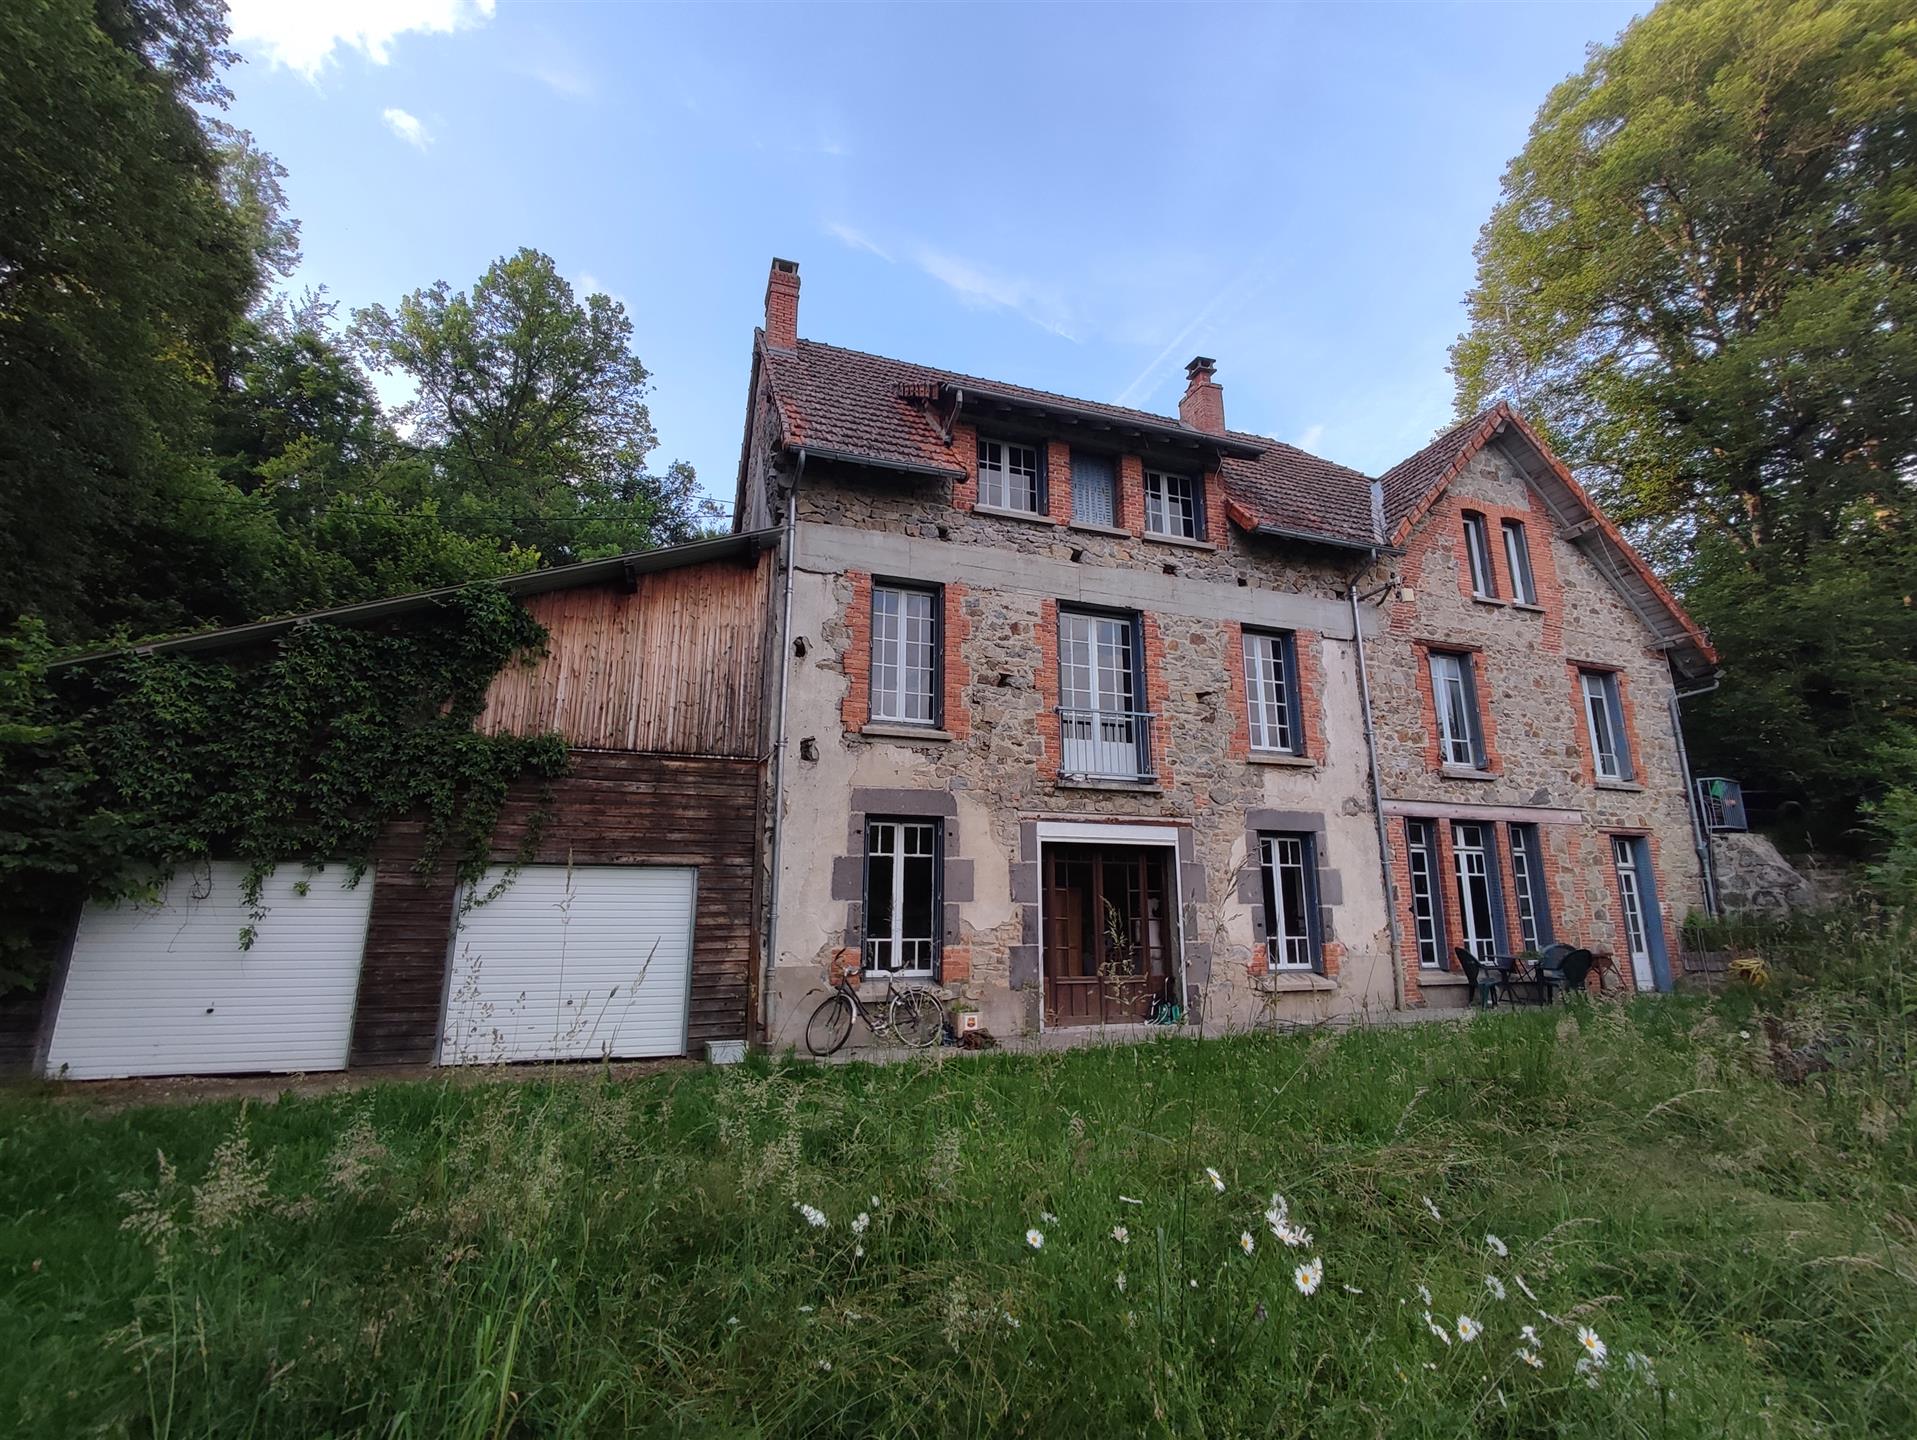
(914,1016)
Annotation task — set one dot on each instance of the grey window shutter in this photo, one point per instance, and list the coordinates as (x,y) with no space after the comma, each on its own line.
(1468,667)
(1314,917)
(1294,702)
(1614,702)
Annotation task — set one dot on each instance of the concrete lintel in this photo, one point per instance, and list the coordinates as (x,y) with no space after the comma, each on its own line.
(904,802)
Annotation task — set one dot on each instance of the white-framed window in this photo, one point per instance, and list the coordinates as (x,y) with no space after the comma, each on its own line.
(1009,475)
(1291,888)
(1517,559)
(1477,551)
(1474,857)
(901,896)
(1094,489)
(1101,730)
(1421,859)
(905,648)
(1173,506)
(1630,890)
(1271,692)
(1454,694)
(1604,718)
(1527,884)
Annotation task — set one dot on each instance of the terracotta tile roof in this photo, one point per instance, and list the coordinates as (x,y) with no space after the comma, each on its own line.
(846,401)
(1416,478)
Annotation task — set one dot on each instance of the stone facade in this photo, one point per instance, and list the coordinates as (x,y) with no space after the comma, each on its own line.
(1526,660)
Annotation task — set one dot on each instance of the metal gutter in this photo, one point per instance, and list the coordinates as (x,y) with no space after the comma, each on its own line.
(1371,548)
(533,582)
(846,457)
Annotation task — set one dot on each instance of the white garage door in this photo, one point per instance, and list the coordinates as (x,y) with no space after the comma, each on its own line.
(166,989)
(572,963)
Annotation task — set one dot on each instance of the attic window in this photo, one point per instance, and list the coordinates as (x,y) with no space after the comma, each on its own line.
(1173,506)
(1009,476)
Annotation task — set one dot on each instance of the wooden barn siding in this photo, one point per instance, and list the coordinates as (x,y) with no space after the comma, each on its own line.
(674,666)
(614,808)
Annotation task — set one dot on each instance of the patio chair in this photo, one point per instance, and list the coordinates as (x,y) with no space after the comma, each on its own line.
(1483,987)
(1576,966)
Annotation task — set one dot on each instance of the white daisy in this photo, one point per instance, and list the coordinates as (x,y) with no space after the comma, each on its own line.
(1121,1282)
(1217,1180)
(1352,1290)
(825,1365)
(1468,1329)
(1010,1318)
(1594,1349)
(1121,1235)
(1048,1217)
(1496,1246)
(1529,1335)
(858,1252)
(1495,1286)
(1436,1329)
(1531,1358)
(1035,1239)
(814,1216)
(1307,1277)
(1432,1208)
(860,1222)
(875,1201)
(1424,1294)
(1245,1242)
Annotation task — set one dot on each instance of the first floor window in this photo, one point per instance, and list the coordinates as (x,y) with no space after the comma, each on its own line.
(1475,858)
(1008,475)
(1517,558)
(1527,882)
(1604,715)
(1477,552)
(1454,692)
(1172,506)
(905,647)
(1271,697)
(901,895)
(1291,888)
(1101,730)
(1421,858)
(1094,489)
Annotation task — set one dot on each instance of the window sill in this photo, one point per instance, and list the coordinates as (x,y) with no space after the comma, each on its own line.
(1441,977)
(1296,762)
(1180,541)
(1465,772)
(1528,606)
(1488,600)
(1144,785)
(1284,982)
(1627,787)
(1093,528)
(889,730)
(1030,517)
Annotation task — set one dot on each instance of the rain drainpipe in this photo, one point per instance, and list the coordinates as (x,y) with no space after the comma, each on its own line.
(778,758)
(1700,837)
(1377,792)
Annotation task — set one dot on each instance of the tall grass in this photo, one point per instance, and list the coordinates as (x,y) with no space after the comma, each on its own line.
(565,1257)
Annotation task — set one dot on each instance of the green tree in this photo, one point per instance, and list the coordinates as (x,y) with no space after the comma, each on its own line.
(1702,278)
(122,272)
(532,407)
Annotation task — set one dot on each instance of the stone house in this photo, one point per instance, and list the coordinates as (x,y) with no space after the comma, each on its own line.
(1082,711)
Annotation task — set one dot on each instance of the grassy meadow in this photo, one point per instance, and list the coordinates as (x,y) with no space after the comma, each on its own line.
(1716,1195)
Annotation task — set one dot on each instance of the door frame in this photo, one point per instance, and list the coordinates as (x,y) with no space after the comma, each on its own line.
(1092,832)
(1650,907)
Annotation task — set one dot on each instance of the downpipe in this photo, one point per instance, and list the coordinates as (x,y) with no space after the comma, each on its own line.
(1377,795)
(778,757)
(1700,837)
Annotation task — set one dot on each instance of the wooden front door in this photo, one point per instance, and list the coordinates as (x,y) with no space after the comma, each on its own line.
(1110,934)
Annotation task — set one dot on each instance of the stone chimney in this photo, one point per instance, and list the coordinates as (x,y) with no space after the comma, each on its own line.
(782,305)
(1203,404)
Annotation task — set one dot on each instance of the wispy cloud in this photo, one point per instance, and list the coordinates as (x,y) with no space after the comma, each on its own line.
(1155,373)
(303,34)
(853,239)
(982,287)
(407,126)
(1312,438)
(568,80)
(586,283)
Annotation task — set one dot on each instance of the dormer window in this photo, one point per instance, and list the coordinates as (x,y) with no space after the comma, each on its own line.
(1009,476)
(1173,506)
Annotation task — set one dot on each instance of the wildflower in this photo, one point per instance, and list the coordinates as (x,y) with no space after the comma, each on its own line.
(1594,1348)
(1307,1277)
(858,1252)
(1496,1246)
(1529,1335)
(1531,1358)
(1743,1034)
(1048,1217)
(732,1320)
(1194,1284)
(1121,1282)
(1436,1329)
(1352,1290)
(1127,1200)
(1468,1329)
(1010,1318)
(1121,1235)
(1245,1241)
(1588,1368)
(1217,1180)
(860,1222)
(1495,1286)
(1035,1239)
(875,1201)
(1639,1364)
(1131,1319)
(1525,1288)
(1432,1208)
(825,1365)
(814,1216)
(1424,1294)
(805,1309)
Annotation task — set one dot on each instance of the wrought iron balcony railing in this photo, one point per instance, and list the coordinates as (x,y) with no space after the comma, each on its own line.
(1105,744)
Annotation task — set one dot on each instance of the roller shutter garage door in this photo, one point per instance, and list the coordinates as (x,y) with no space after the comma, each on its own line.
(165,989)
(572,963)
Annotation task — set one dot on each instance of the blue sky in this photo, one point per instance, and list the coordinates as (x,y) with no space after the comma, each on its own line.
(1074,197)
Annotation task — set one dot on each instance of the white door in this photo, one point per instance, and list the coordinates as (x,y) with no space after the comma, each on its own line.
(166,989)
(1631,894)
(572,963)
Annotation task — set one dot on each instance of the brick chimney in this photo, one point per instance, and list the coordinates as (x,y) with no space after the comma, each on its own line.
(782,305)
(1203,404)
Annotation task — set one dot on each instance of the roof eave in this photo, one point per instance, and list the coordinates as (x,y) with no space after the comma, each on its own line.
(1060,407)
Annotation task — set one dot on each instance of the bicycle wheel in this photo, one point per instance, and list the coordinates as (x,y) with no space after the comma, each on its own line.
(825,1032)
(917,1018)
